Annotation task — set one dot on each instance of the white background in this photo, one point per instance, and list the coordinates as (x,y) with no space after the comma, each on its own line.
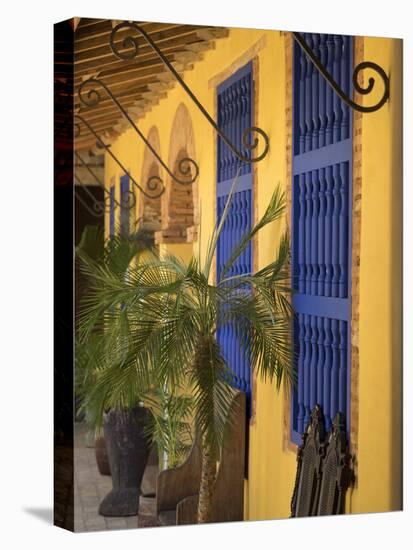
(26,286)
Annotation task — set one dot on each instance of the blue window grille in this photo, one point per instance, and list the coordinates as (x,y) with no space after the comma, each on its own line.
(235,103)
(321,231)
(112,210)
(124,205)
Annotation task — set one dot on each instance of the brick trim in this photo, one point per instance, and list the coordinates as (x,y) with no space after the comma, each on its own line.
(355,262)
(287,444)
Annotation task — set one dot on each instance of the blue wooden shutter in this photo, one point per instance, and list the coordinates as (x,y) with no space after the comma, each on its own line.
(321,231)
(235,106)
(112,210)
(124,205)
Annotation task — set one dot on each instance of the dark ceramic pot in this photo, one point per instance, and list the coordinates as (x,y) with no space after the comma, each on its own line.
(128,452)
(101,455)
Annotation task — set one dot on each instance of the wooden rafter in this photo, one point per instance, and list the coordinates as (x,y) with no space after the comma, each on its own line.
(138,84)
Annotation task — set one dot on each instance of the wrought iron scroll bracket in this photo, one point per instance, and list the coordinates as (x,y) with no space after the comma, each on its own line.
(363,90)
(131,197)
(91,97)
(152,184)
(131,44)
(98,207)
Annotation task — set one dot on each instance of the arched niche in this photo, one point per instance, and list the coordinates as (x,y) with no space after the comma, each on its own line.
(149,210)
(179,212)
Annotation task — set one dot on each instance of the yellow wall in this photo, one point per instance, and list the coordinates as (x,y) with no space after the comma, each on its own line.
(271,467)
(379,438)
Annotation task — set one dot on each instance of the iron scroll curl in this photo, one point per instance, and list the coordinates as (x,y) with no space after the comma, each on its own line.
(90,96)
(98,207)
(155,187)
(250,137)
(129,203)
(363,90)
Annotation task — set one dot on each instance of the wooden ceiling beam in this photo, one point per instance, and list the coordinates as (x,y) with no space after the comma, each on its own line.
(97,27)
(94,40)
(137,84)
(144,76)
(144,63)
(160,37)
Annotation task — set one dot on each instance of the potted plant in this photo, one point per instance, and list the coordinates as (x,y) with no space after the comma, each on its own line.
(112,395)
(177,309)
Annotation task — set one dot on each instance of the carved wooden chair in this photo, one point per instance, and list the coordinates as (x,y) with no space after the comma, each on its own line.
(177,489)
(323,469)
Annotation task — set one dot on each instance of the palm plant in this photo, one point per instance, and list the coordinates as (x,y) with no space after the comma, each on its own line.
(174,311)
(169,426)
(98,360)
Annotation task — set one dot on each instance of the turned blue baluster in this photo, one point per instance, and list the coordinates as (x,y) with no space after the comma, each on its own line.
(314,361)
(322,93)
(219,142)
(229,128)
(232,136)
(329,91)
(241,226)
(335,364)
(231,243)
(300,373)
(221,145)
(328,357)
(235,98)
(301,233)
(235,91)
(248,116)
(335,231)
(338,50)
(314,231)
(315,96)
(308,216)
(228,152)
(307,362)
(237,122)
(343,229)
(243,100)
(231,239)
(320,359)
(342,386)
(320,232)
(302,95)
(328,230)
(248,224)
(345,80)
(222,98)
(308,100)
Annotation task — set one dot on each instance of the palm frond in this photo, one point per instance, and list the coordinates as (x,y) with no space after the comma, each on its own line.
(213,241)
(274,211)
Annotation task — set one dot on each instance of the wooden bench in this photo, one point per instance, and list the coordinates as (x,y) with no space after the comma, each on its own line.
(177,488)
(323,469)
